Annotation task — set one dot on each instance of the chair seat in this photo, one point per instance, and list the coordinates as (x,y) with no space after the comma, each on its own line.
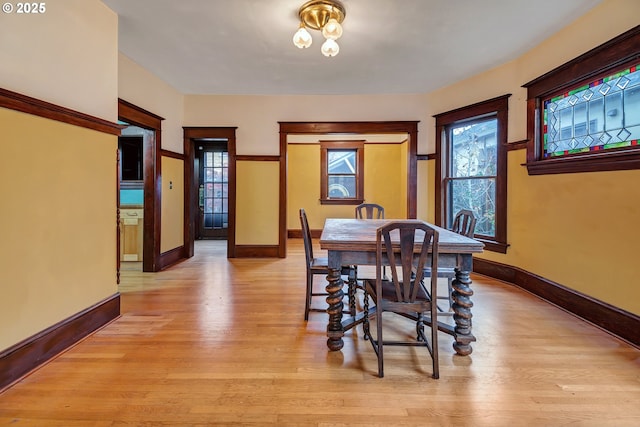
(389,292)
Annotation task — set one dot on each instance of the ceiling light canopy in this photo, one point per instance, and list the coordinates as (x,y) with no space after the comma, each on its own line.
(325,16)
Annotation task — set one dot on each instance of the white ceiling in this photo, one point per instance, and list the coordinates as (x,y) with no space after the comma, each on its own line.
(388,46)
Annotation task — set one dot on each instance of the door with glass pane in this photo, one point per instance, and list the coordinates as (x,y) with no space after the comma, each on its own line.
(214,191)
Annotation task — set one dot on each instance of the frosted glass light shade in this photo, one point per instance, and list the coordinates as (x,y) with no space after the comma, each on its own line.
(332,29)
(330,48)
(302,38)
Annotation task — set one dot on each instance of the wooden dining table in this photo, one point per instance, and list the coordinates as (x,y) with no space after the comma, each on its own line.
(353,242)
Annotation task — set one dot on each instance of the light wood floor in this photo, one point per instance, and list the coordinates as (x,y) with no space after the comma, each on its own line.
(213,341)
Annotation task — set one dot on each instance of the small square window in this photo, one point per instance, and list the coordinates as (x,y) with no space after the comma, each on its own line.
(342,179)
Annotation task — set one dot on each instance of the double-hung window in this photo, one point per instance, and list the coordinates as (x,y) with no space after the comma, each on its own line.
(342,176)
(471,165)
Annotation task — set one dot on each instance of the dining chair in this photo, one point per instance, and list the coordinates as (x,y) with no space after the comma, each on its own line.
(320,266)
(464,223)
(369,211)
(405,293)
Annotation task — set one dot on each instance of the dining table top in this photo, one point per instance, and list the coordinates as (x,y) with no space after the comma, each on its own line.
(349,234)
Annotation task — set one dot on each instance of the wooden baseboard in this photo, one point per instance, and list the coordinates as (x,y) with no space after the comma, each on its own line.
(616,321)
(171,257)
(27,355)
(257,251)
(297,234)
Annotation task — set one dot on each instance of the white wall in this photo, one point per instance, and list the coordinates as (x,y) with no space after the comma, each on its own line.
(66,56)
(143,89)
(257,117)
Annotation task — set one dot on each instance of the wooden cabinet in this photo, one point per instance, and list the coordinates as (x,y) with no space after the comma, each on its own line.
(131,234)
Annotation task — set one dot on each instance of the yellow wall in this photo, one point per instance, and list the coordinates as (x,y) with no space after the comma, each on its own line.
(384,183)
(257,189)
(573,229)
(58,181)
(57,222)
(172,231)
(426,186)
(385,178)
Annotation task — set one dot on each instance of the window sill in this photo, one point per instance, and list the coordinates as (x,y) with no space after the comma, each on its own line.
(621,160)
(493,245)
(341,201)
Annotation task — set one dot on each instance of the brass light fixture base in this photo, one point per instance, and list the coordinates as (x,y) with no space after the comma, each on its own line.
(315,13)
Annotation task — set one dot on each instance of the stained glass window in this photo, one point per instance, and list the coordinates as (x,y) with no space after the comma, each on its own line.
(601,115)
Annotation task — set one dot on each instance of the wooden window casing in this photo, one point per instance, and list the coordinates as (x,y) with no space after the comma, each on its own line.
(497,108)
(606,59)
(325,147)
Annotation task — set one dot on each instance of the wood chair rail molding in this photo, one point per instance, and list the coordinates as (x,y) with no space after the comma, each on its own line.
(26,104)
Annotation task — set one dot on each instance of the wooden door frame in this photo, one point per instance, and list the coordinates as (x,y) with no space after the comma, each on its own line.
(191,186)
(408,127)
(221,233)
(134,115)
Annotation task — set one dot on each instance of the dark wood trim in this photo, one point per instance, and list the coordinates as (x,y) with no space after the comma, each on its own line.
(26,104)
(616,321)
(257,251)
(137,116)
(118,227)
(172,154)
(431,156)
(297,234)
(605,161)
(25,356)
(282,206)
(517,145)
(359,140)
(616,54)
(191,186)
(325,146)
(609,55)
(500,107)
(408,127)
(341,201)
(171,257)
(249,158)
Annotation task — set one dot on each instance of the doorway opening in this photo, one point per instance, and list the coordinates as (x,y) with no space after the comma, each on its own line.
(212,169)
(210,154)
(131,145)
(142,123)
(410,128)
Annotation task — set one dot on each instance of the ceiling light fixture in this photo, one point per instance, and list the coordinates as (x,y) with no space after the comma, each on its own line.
(322,15)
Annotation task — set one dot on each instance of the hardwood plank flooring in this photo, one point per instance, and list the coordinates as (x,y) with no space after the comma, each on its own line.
(213,341)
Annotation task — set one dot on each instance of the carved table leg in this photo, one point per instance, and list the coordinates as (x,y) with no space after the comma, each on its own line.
(334,309)
(462,304)
(352,290)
